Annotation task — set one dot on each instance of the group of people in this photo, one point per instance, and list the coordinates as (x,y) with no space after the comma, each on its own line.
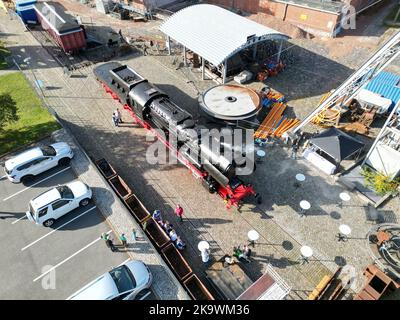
(116,117)
(165,224)
(107,237)
(169,228)
(109,241)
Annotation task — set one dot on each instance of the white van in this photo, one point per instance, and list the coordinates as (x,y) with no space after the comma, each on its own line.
(46,208)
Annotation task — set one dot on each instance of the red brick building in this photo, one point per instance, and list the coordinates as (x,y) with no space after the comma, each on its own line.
(314,16)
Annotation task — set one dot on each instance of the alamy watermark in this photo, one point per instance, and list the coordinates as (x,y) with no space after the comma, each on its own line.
(48,13)
(348,20)
(226,149)
(49,279)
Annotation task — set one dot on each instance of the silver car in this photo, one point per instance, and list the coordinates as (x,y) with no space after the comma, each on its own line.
(121,283)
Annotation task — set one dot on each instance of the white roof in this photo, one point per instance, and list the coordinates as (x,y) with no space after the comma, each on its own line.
(215,33)
(374,99)
(23,157)
(45,198)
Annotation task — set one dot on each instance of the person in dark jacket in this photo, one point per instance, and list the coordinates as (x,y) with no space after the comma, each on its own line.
(108,241)
(295,148)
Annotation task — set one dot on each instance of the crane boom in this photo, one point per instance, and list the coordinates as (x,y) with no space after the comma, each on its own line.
(348,89)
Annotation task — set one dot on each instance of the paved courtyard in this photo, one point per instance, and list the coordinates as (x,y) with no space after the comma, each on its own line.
(86,110)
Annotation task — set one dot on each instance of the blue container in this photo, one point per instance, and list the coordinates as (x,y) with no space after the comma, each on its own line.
(25,10)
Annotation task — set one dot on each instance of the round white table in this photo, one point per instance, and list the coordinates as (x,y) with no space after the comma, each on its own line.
(253,236)
(261,153)
(304,205)
(344,232)
(300,177)
(344,196)
(306,253)
(203,246)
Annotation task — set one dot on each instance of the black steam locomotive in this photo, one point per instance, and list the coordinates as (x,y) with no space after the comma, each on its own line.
(152,108)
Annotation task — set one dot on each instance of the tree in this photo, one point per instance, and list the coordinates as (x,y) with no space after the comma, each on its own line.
(8,110)
(381,183)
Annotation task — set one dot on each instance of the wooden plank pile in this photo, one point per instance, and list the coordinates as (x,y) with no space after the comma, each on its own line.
(275,124)
(331,287)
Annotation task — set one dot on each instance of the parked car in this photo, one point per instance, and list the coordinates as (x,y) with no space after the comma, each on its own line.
(24,166)
(121,283)
(47,207)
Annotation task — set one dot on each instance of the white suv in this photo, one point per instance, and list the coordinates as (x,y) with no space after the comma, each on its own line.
(32,162)
(47,207)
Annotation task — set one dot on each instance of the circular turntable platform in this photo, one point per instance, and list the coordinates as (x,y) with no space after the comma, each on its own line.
(230,102)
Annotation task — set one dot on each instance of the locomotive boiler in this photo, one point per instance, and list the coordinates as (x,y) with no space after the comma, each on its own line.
(194,145)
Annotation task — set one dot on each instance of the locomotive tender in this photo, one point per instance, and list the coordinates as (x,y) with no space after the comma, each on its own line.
(152,108)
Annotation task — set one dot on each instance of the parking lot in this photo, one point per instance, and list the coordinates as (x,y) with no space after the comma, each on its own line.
(51,263)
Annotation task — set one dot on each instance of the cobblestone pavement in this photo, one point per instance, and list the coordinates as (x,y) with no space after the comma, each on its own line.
(86,111)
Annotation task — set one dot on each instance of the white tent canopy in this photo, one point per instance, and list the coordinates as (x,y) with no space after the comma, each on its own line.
(214,33)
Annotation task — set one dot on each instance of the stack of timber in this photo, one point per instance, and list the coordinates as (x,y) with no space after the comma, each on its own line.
(331,287)
(275,124)
(270,97)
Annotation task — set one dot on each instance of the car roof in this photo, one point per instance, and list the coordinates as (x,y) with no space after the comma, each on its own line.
(101,288)
(24,157)
(45,198)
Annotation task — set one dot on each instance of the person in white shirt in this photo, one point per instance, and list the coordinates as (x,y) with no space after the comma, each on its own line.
(173,236)
(117,116)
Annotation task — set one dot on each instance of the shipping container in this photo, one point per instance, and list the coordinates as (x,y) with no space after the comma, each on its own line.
(26,11)
(62,27)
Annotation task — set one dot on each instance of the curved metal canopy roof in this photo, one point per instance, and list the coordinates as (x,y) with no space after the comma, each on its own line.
(215,33)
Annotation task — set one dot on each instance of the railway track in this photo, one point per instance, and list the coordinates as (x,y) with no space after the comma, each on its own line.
(72,63)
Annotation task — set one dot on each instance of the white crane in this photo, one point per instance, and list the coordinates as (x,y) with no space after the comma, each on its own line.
(359,79)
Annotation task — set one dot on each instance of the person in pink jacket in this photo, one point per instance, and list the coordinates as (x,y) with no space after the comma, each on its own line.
(179,212)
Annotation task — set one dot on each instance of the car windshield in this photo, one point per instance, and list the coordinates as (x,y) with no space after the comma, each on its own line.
(65,192)
(48,151)
(123,278)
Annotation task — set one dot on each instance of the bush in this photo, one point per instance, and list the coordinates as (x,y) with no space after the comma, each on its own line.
(381,183)
(8,110)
